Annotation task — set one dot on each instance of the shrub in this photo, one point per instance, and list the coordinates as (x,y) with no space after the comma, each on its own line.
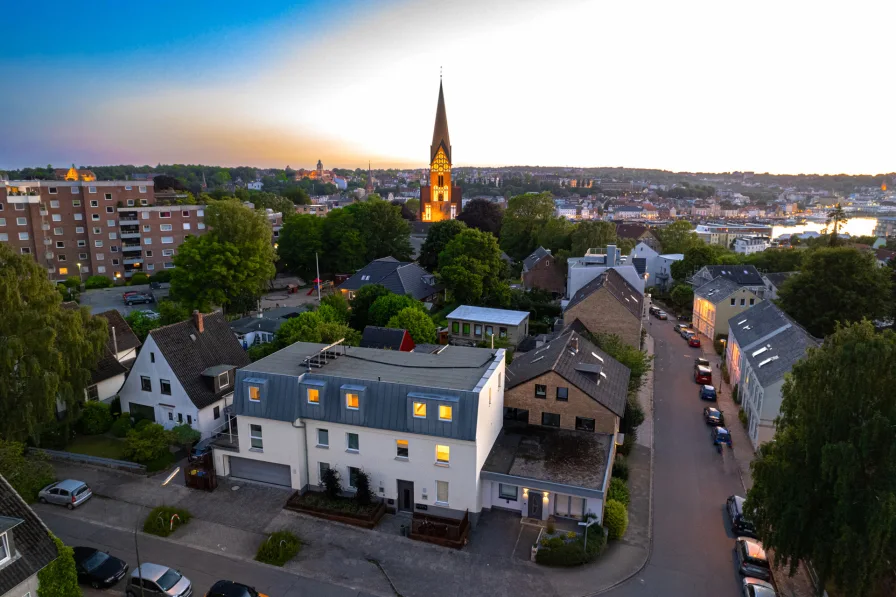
(363,492)
(278,548)
(615,519)
(725,375)
(633,416)
(115,407)
(744,420)
(147,444)
(97,282)
(551,527)
(619,491)
(73,282)
(139,278)
(184,435)
(620,468)
(162,276)
(332,483)
(27,474)
(142,424)
(96,418)
(60,577)
(159,521)
(559,552)
(122,425)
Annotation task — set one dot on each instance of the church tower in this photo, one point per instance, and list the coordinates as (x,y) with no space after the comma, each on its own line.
(440,200)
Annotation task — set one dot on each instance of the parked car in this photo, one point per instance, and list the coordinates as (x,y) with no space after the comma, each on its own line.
(201,448)
(739,523)
(703,374)
(229,588)
(69,493)
(754,587)
(150,314)
(125,295)
(139,298)
(653,310)
(720,436)
(700,362)
(662,315)
(97,568)
(680,327)
(713,416)
(694,341)
(708,392)
(158,581)
(751,558)
(686,334)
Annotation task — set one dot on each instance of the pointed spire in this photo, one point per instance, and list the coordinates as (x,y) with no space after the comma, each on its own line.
(440,136)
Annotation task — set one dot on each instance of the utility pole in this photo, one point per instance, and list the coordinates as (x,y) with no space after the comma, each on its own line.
(137,549)
(317,266)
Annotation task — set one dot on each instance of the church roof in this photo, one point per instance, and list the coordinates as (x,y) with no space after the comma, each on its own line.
(440,136)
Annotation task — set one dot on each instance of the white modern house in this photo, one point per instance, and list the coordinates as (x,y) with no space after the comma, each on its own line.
(763,346)
(582,270)
(185,374)
(747,245)
(655,268)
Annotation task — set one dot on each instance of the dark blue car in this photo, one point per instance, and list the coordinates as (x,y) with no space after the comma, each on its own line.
(708,393)
(720,436)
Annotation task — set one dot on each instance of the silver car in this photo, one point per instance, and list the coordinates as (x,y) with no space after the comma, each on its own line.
(69,493)
(155,580)
(755,587)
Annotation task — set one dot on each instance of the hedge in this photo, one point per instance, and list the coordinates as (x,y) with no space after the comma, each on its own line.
(278,548)
(96,418)
(619,491)
(122,425)
(620,468)
(559,552)
(615,519)
(159,520)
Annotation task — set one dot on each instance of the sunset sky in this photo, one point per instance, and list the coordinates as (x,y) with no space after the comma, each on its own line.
(793,86)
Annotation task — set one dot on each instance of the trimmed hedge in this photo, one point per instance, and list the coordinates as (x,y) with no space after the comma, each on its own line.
(557,551)
(122,425)
(615,519)
(158,522)
(619,491)
(278,548)
(96,418)
(620,468)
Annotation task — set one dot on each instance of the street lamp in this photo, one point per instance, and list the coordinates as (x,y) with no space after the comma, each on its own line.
(80,277)
(587,526)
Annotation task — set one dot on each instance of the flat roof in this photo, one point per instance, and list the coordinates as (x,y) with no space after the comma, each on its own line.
(455,367)
(487,315)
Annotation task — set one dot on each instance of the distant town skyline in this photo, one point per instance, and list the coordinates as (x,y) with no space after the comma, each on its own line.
(690,87)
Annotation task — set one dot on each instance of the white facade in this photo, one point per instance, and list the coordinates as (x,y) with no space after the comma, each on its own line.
(747,245)
(255,186)
(762,405)
(658,270)
(516,498)
(107,389)
(169,409)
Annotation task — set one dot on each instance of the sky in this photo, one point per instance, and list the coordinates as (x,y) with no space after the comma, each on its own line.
(775,86)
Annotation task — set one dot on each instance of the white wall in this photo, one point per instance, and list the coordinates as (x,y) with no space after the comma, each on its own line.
(108,388)
(490,418)
(281,443)
(491,498)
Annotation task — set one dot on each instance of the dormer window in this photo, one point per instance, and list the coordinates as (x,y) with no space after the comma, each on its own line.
(419,410)
(223,380)
(352,401)
(445,412)
(5,551)
(254,394)
(313,396)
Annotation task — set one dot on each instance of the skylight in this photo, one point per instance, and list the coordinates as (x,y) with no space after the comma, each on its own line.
(597,356)
(760,351)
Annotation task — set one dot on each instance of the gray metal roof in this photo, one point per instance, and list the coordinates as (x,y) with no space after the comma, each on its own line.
(270,320)
(487,315)
(717,290)
(743,275)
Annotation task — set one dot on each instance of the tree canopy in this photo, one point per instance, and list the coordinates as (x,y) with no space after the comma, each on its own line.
(386,307)
(361,303)
(556,235)
(524,218)
(437,238)
(836,284)
(825,490)
(472,269)
(677,237)
(59,578)
(592,234)
(300,244)
(47,351)
(418,324)
(483,215)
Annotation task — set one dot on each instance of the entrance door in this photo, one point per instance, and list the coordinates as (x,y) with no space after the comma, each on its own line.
(535,505)
(405,496)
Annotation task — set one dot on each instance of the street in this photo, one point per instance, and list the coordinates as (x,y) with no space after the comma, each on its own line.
(201,567)
(693,548)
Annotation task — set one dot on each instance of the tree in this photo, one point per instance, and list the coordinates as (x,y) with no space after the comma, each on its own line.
(836,284)
(59,578)
(776,260)
(677,237)
(483,215)
(300,244)
(417,323)
(139,279)
(682,296)
(27,474)
(172,312)
(145,444)
(523,220)
(47,353)
(263,200)
(297,195)
(311,327)
(406,213)
(184,435)
(385,307)
(825,490)
(472,269)
(556,235)
(437,238)
(361,303)
(384,231)
(592,234)
(696,257)
(141,325)
(413,205)
(836,218)
(345,249)
(338,304)
(164,182)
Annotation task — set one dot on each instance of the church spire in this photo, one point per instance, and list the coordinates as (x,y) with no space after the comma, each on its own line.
(440,136)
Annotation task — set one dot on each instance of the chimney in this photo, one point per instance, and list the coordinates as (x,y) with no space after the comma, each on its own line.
(575,344)
(198,321)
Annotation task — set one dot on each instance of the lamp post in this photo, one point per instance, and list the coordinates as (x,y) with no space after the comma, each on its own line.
(80,277)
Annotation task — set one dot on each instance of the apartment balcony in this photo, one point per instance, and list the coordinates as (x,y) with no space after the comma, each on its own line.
(129,234)
(130,272)
(133,260)
(137,247)
(48,241)
(125,220)
(23,196)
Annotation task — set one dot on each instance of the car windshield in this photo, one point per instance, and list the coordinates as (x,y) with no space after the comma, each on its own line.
(169,579)
(95,561)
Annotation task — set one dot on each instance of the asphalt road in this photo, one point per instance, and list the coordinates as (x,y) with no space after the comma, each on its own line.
(107,299)
(201,567)
(693,546)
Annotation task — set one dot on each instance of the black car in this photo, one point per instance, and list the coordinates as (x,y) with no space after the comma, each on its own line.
(739,523)
(97,568)
(708,393)
(139,299)
(228,588)
(713,416)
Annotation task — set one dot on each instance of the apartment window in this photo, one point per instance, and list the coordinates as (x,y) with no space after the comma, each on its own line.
(733,301)
(419,410)
(22,221)
(508,492)
(79,217)
(752,301)
(167,252)
(114,261)
(150,266)
(57,231)
(145,384)
(145,214)
(401,448)
(442,493)
(466,329)
(63,271)
(91,189)
(83,255)
(550,419)
(489,330)
(224,380)
(20,207)
(323,438)
(56,217)
(97,230)
(541,391)
(455,327)
(101,269)
(201,226)
(216,412)
(322,468)
(110,209)
(255,437)
(147,241)
(167,240)
(584,424)
(128,187)
(23,236)
(168,265)
(147,228)
(254,394)
(2,221)
(149,253)
(166,386)
(60,244)
(144,203)
(95,217)
(352,401)
(200,212)
(164,214)
(60,257)
(142,189)
(502,332)
(445,412)
(54,203)
(94,203)
(563,394)
(165,227)
(76,202)
(185,214)
(25,251)
(97,243)
(186,225)
(353,476)
(4,237)
(108,196)
(352,441)
(130,203)
(443,454)
(52,191)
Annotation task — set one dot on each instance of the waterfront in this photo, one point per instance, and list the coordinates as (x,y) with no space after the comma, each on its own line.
(853,226)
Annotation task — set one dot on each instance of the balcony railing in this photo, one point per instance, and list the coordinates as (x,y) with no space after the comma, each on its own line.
(128,220)
(132,247)
(129,234)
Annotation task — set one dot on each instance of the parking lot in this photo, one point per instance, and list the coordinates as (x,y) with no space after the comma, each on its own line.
(106,299)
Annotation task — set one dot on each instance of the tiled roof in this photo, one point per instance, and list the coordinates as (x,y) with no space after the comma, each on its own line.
(632,231)
(617,286)
(124,335)
(380,337)
(579,362)
(108,365)
(32,539)
(536,256)
(399,277)
(189,353)
(777,279)
(717,290)
(743,275)
(270,320)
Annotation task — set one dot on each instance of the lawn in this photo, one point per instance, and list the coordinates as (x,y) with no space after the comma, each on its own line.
(98,445)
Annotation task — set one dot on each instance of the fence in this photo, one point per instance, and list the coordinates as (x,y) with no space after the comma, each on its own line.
(121,465)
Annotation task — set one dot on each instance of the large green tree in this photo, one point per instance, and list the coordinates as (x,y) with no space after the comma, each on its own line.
(345,248)
(836,284)
(776,260)
(472,269)
(27,474)
(556,235)
(524,218)
(386,307)
(484,215)
(825,490)
(417,323)
(311,327)
(300,244)
(384,231)
(361,303)
(592,234)
(677,237)
(46,352)
(437,238)
(699,255)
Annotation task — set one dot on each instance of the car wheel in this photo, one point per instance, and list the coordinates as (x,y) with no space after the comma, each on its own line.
(95,585)
(70,506)
(42,500)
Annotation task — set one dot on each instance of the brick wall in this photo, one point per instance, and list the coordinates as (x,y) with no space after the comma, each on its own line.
(546,275)
(603,314)
(579,404)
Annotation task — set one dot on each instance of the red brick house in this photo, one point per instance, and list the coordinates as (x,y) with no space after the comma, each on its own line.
(541,270)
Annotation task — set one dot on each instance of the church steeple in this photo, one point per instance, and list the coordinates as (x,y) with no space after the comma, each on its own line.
(440,136)
(440,200)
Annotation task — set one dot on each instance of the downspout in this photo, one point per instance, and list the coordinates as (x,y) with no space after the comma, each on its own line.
(307,475)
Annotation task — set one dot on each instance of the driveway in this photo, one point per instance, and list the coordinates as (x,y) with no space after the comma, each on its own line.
(106,299)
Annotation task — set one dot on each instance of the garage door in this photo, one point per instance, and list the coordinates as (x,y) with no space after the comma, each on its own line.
(256,470)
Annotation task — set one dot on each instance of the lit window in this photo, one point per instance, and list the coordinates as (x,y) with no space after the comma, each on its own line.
(351,401)
(443,454)
(401,446)
(313,396)
(254,394)
(420,410)
(444,412)
(442,493)
(255,437)
(63,271)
